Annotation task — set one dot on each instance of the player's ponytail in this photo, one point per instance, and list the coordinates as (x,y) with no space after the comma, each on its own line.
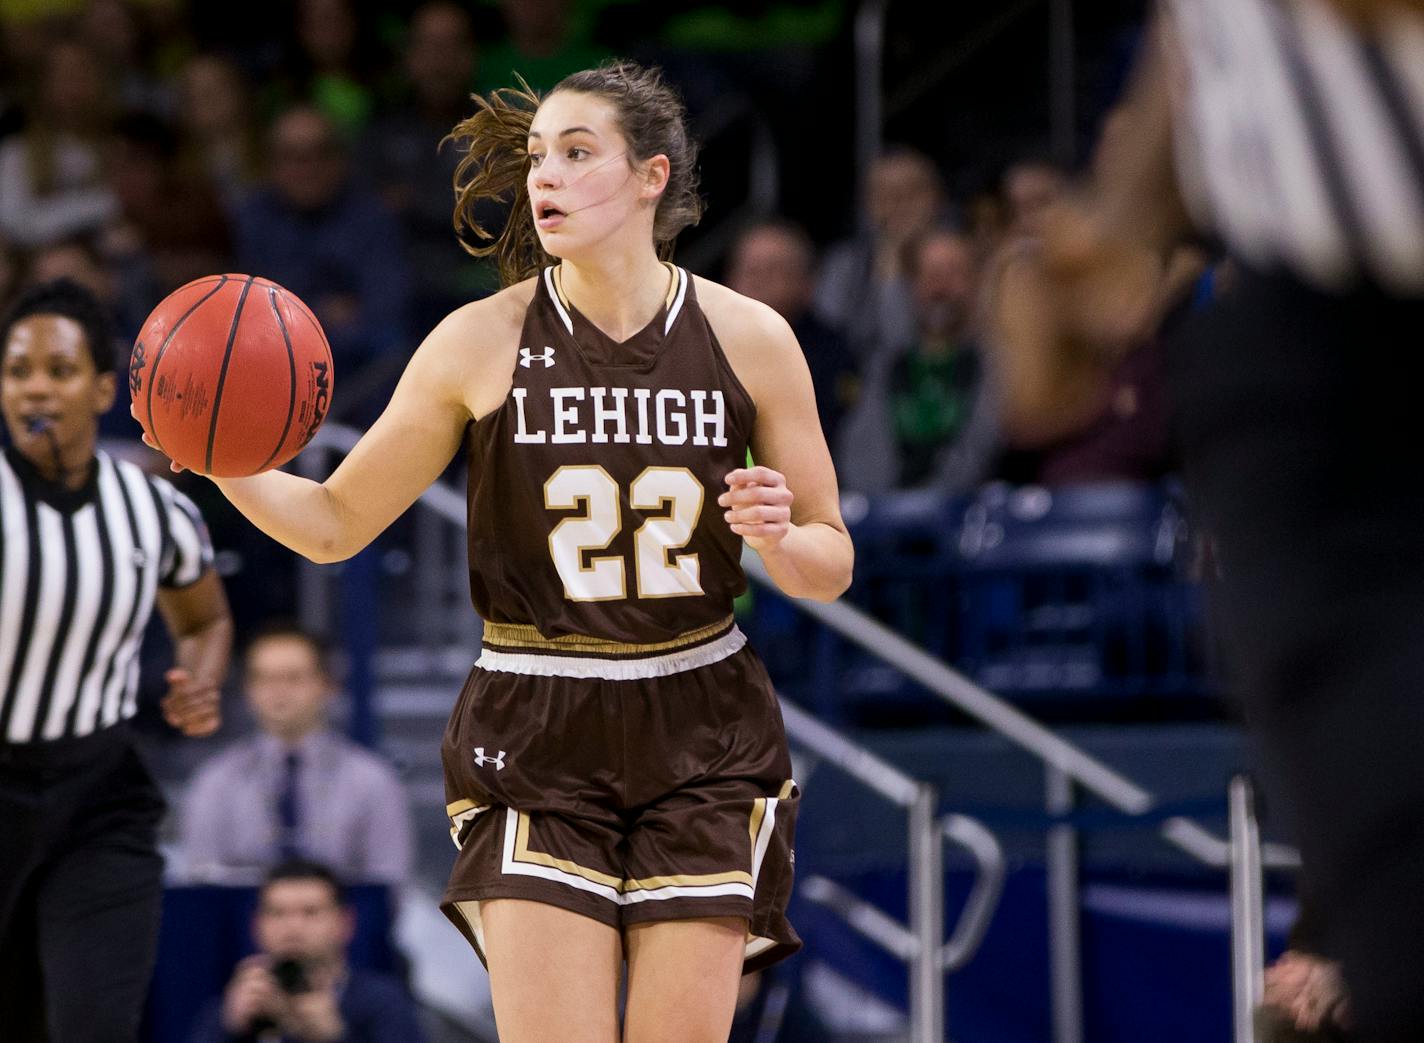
(495,165)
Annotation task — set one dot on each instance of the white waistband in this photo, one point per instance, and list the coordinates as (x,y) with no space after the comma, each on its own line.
(613,669)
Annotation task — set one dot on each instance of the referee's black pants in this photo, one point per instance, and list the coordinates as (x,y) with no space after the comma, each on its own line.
(80,889)
(1302,441)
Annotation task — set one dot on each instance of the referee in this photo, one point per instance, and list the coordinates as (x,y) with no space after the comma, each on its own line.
(1294,133)
(88,544)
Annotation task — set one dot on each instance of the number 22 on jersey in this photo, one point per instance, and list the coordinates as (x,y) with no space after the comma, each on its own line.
(659,571)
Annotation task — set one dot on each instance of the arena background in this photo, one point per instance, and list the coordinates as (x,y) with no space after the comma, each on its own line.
(1066,580)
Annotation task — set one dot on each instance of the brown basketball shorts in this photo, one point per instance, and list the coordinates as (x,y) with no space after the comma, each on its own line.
(627,783)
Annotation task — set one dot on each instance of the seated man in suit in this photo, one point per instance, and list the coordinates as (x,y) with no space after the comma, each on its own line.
(296,788)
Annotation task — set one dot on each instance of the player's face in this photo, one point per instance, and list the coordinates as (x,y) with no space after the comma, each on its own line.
(50,392)
(302,918)
(286,687)
(582,185)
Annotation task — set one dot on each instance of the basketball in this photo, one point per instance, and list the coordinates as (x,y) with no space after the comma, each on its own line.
(231,375)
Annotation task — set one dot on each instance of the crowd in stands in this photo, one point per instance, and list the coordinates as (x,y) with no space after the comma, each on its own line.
(143,145)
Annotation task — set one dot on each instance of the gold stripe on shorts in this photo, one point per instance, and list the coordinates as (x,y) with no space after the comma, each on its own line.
(523,637)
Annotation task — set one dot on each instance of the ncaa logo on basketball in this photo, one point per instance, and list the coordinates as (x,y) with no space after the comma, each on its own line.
(527,358)
(322,383)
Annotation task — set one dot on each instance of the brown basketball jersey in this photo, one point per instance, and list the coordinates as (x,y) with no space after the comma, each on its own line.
(593,487)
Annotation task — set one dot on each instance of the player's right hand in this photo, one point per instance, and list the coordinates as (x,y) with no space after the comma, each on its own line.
(175,468)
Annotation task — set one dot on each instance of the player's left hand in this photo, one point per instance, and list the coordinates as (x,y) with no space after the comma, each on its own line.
(191,706)
(758,506)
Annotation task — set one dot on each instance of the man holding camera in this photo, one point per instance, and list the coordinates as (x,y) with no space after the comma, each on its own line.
(297,986)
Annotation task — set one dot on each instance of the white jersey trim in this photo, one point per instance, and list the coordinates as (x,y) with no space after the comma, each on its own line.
(682,660)
(554,296)
(676,307)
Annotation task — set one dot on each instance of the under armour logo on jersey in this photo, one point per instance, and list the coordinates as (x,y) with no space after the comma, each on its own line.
(481,760)
(527,358)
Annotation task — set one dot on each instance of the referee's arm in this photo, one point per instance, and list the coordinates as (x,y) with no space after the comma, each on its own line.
(198,618)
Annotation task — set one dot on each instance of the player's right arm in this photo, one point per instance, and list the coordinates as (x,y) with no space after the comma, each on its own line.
(453,376)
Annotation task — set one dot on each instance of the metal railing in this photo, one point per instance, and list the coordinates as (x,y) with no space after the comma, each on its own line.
(1068,767)
(1248,918)
(920,945)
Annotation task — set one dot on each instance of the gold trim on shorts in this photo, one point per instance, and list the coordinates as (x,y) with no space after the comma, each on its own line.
(526,638)
(521,854)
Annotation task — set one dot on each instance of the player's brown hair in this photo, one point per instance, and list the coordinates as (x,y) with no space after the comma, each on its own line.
(652,119)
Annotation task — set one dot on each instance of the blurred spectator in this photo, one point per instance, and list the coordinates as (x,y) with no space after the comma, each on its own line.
(1127,435)
(334,245)
(545,41)
(925,415)
(128,304)
(332,62)
(414,168)
(75,259)
(1014,203)
(297,788)
(863,291)
(51,174)
(1128,439)
(219,137)
(127,292)
(170,223)
(114,31)
(774,262)
(1028,188)
(299,986)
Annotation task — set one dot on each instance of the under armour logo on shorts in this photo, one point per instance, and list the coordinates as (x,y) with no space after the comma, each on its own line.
(481,760)
(527,357)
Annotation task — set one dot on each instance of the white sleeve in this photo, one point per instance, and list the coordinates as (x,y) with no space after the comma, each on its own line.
(189,550)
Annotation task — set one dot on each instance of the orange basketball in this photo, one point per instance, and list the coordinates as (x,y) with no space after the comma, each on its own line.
(231,375)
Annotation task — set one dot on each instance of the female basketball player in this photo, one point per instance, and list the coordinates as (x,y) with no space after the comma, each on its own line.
(618,776)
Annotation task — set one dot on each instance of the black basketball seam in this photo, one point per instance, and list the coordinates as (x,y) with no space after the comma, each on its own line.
(153,373)
(330,362)
(292,364)
(222,375)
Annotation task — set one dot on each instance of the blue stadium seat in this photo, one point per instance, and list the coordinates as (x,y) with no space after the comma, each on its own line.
(1067,594)
(1076,590)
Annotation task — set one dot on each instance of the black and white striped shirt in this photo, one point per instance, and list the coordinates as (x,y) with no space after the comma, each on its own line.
(78,573)
(1300,138)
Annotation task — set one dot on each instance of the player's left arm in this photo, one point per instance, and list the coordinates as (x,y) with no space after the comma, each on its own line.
(200,623)
(787,506)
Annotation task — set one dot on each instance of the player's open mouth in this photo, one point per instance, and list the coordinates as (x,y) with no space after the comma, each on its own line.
(549,216)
